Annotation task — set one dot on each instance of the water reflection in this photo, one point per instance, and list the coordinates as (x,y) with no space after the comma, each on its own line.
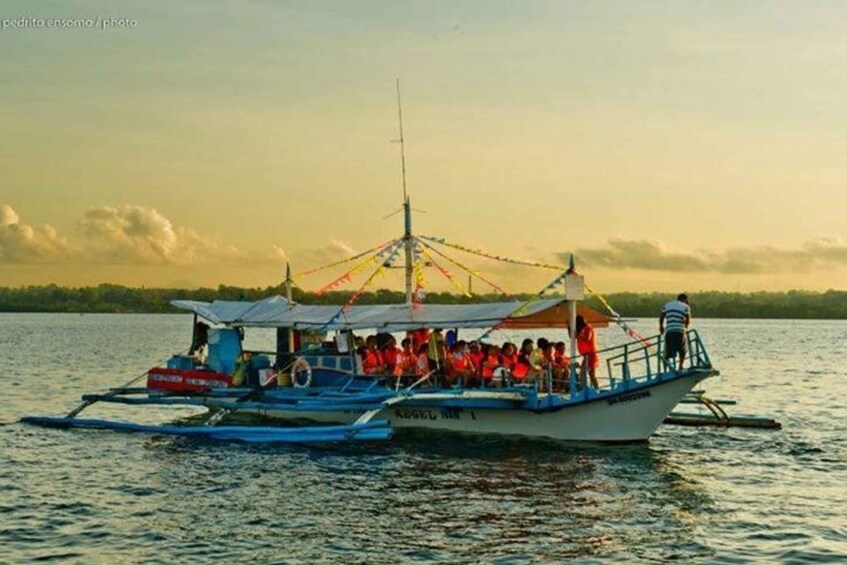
(688,494)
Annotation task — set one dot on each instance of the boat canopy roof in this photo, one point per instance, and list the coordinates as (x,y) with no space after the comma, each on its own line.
(277,312)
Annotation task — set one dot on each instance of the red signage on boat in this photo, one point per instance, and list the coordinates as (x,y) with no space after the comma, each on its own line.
(176,380)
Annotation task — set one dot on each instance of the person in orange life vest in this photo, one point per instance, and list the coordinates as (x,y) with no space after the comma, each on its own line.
(391,357)
(408,359)
(476,354)
(490,361)
(508,355)
(523,366)
(561,364)
(461,367)
(418,337)
(586,344)
(372,362)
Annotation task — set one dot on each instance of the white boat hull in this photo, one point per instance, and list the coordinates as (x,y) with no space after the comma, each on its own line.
(627,417)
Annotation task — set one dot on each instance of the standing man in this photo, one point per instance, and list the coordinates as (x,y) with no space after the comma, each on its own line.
(673,321)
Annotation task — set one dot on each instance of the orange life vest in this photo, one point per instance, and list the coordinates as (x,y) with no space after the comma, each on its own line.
(371,361)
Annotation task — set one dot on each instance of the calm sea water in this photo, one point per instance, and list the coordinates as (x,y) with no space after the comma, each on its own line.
(691,494)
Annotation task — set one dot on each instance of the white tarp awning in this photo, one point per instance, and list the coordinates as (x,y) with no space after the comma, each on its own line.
(277,312)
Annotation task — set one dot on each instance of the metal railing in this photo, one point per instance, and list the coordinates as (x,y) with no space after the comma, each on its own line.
(645,360)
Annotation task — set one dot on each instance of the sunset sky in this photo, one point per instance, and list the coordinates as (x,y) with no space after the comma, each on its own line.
(674,145)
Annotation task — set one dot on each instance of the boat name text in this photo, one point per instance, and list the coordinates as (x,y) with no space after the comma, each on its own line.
(629,397)
(430,414)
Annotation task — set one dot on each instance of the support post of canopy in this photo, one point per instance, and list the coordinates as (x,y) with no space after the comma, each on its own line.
(288,283)
(574,292)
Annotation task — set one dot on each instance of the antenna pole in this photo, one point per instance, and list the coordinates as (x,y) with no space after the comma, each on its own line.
(408,239)
(402,141)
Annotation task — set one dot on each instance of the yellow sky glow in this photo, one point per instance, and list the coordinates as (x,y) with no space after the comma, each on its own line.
(670,145)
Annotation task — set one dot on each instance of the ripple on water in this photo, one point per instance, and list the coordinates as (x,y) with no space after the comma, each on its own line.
(688,495)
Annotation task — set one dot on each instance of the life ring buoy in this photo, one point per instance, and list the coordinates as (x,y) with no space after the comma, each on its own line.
(298,369)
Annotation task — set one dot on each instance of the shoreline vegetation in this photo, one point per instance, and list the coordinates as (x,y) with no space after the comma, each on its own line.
(108,298)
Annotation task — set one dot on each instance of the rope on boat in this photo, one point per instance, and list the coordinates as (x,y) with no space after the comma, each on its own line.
(353,258)
(347,277)
(465,268)
(445,273)
(621,323)
(491,256)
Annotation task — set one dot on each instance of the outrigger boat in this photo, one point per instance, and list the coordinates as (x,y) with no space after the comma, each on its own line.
(324,385)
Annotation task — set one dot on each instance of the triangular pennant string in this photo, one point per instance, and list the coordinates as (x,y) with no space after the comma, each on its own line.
(445,273)
(620,321)
(466,269)
(347,277)
(522,308)
(491,256)
(347,260)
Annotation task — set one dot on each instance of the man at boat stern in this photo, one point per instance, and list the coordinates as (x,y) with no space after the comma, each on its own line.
(673,321)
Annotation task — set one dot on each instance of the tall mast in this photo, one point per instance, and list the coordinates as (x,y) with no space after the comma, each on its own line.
(402,144)
(408,241)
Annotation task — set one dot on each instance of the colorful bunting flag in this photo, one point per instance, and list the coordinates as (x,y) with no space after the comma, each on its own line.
(481,253)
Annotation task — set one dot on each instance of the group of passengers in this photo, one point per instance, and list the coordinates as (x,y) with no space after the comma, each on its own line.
(450,361)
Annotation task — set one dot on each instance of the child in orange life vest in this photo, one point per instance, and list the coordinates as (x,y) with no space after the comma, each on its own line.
(475,352)
(490,361)
(561,365)
(508,355)
(408,359)
(391,357)
(372,362)
(460,365)
(523,365)
(586,343)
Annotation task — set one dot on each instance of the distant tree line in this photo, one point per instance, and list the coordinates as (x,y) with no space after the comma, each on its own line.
(794,304)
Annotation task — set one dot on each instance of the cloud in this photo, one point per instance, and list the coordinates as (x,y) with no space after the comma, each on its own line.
(317,256)
(21,243)
(125,234)
(136,234)
(655,255)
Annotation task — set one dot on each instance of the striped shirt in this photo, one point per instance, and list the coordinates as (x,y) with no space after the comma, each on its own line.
(675,313)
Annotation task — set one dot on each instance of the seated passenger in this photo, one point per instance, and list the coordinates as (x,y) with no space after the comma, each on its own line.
(523,368)
(509,355)
(460,366)
(372,362)
(391,357)
(408,359)
(475,352)
(561,366)
(540,360)
(490,361)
